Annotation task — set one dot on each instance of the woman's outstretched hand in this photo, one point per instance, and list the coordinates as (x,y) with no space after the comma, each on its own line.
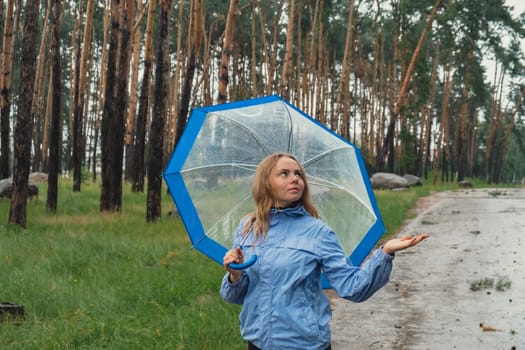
(397,244)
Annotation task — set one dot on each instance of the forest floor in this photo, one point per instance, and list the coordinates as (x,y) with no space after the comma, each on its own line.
(462,288)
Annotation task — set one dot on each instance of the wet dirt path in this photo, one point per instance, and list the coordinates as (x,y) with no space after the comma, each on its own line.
(470,272)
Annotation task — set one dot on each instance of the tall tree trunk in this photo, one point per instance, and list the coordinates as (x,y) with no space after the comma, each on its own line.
(264,45)
(115,106)
(427,136)
(391,88)
(234,86)
(91,118)
(176,80)
(110,112)
(78,110)
(382,103)
(48,115)
(194,48)
(318,114)
(56,111)
(101,89)
(74,83)
(207,62)
(253,61)
(78,114)
(387,149)
(440,143)
(510,127)
(137,178)
(461,130)
(496,117)
(472,141)
(298,62)
(160,108)
(370,154)
(226,52)
(288,53)
(130,122)
(343,87)
(127,9)
(37,108)
(275,46)
(24,120)
(90,98)
(8,43)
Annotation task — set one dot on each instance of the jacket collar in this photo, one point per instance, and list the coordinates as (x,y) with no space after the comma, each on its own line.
(297,210)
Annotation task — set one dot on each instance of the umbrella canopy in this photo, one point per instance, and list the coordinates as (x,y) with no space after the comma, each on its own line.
(211,171)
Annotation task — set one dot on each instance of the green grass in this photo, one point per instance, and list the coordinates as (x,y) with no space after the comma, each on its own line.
(111,281)
(394,206)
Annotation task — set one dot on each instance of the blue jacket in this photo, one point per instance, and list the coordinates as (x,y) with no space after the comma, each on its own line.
(283,304)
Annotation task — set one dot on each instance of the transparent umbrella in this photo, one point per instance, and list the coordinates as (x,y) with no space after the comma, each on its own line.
(211,171)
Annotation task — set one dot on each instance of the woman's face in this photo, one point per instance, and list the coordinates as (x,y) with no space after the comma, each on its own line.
(286,179)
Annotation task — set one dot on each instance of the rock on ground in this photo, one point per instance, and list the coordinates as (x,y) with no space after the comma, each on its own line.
(388,180)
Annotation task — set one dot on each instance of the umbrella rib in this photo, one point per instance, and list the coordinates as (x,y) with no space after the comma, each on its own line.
(243,127)
(330,184)
(312,160)
(235,165)
(290,132)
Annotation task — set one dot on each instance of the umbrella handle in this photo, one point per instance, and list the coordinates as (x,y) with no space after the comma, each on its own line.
(244,265)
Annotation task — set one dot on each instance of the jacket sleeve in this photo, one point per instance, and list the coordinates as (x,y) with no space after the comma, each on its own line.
(353,282)
(234,293)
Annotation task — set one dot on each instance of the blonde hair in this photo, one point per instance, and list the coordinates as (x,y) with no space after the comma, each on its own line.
(264,197)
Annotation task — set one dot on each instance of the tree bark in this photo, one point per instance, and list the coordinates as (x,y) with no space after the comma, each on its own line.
(318,113)
(371,149)
(118,123)
(253,65)
(55,129)
(427,135)
(74,83)
(160,108)
(176,81)
(226,52)
(37,108)
(24,120)
(8,44)
(102,90)
(190,68)
(342,100)
(275,45)
(510,127)
(461,130)
(137,176)
(288,53)
(496,117)
(130,121)
(78,149)
(110,112)
(264,45)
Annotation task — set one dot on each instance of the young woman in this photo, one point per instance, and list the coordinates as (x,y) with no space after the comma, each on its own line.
(283,304)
